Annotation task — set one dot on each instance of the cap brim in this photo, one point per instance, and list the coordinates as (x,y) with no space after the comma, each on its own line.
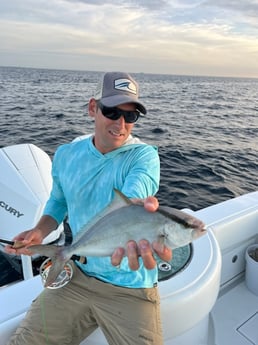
(116,100)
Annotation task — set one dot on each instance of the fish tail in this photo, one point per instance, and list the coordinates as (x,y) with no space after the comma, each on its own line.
(57,256)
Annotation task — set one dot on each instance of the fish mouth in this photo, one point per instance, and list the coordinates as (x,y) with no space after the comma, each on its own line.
(196,233)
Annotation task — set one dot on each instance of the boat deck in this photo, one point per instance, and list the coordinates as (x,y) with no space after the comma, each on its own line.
(235,317)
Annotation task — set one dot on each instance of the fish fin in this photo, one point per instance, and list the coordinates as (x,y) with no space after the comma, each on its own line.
(54,271)
(119,200)
(58,259)
(161,240)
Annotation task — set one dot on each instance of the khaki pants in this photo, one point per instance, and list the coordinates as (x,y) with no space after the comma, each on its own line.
(69,314)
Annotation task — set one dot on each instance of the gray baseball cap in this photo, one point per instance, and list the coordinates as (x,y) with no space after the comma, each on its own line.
(117,88)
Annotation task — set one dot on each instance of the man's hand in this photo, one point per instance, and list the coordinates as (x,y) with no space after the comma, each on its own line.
(144,249)
(25,239)
(33,236)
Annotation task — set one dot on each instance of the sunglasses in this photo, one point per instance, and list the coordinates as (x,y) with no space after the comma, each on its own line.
(114,113)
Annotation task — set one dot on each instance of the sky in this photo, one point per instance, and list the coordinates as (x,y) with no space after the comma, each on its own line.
(184,37)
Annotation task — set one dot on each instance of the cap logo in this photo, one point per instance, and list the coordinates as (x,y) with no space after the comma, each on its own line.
(125,85)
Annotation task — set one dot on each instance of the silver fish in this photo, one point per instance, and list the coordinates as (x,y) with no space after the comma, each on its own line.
(120,222)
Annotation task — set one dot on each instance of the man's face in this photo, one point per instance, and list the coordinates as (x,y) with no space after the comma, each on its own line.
(111,134)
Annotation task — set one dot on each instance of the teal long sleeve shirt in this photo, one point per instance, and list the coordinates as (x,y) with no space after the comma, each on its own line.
(83,183)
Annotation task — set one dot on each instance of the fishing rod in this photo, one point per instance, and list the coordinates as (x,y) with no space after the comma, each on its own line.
(14,244)
(11,243)
(81,259)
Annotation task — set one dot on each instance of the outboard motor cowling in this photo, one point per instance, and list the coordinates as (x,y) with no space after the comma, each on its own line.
(25,183)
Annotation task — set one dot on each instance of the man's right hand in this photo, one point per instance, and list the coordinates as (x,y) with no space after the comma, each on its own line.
(33,236)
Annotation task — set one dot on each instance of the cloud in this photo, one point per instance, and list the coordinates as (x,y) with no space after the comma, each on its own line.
(245,7)
(180,37)
(148,4)
(241,13)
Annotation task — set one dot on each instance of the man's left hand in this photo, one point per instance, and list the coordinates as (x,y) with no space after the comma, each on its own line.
(144,249)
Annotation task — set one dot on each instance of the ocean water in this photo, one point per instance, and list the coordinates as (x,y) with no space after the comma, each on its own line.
(206,128)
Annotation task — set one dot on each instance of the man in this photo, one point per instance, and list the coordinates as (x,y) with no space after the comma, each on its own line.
(118,294)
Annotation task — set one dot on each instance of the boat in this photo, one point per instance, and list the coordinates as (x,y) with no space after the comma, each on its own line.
(208,300)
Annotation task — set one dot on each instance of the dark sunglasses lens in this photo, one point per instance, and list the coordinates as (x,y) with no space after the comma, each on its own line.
(115,113)
(111,114)
(131,116)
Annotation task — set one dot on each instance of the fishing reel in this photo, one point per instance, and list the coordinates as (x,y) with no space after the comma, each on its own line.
(63,278)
